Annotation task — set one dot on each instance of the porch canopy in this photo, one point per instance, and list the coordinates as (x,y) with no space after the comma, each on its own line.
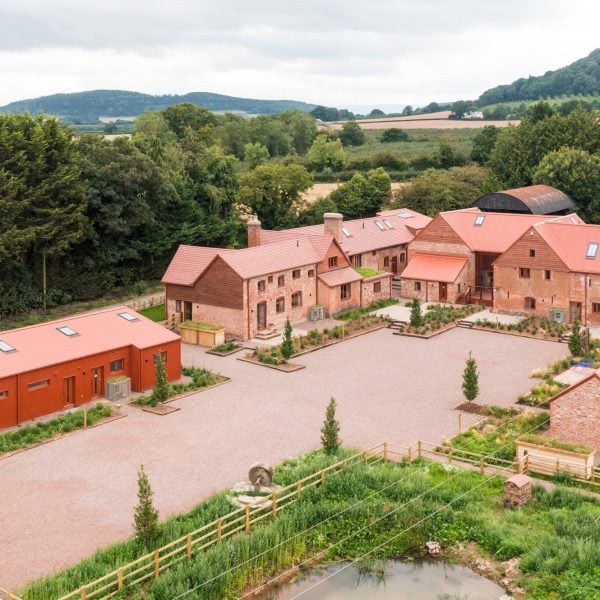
(434,267)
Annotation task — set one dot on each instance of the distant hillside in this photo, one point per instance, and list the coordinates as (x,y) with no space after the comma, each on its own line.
(580,77)
(88,106)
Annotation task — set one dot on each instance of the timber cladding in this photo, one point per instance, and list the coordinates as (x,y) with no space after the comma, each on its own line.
(219,285)
(439,231)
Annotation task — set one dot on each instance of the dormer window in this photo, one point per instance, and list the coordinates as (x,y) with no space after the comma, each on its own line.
(6,347)
(65,330)
(592,250)
(379,225)
(479,219)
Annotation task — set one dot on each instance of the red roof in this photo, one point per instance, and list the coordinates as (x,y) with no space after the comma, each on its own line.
(188,263)
(43,345)
(434,267)
(339,277)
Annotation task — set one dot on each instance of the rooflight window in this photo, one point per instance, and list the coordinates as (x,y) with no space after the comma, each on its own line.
(479,219)
(6,347)
(405,215)
(127,316)
(345,232)
(389,225)
(592,250)
(379,224)
(573,220)
(67,331)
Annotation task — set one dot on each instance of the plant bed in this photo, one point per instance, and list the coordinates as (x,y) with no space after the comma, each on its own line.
(540,395)
(534,327)
(423,333)
(286,367)
(160,409)
(202,334)
(473,408)
(225,349)
(437,319)
(356,313)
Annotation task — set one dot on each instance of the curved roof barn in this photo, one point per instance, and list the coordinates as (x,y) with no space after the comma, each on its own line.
(533,199)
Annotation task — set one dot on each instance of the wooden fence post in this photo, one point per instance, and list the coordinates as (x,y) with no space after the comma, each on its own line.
(82,593)
(410,454)
(385,452)
(450,456)
(85,417)
(526,464)
(189,546)
(120,579)
(248,519)
(419,450)
(481,465)
(558,465)
(459,422)
(156,563)
(219,528)
(299,488)
(274,503)
(322,476)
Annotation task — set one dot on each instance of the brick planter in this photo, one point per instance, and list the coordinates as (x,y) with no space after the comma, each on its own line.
(118,390)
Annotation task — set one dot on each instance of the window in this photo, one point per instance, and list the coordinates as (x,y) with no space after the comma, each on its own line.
(127,316)
(116,365)
(531,253)
(345,291)
(67,331)
(296,299)
(4,394)
(177,305)
(479,219)
(357,260)
(311,272)
(524,273)
(345,232)
(388,224)
(38,384)
(281,280)
(333,261)
(261,285)
(379,225)
(386,261)
(6,347)
(296,274)
(402,257)
(417,286)
(377,287)
(595,309)
(405,215)
(547,275)
(592,250)
(529,302)
(160,355)
(280,304)
(270,279)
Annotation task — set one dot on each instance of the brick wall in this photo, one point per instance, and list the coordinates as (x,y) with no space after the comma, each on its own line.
(575,416)
(369,294)
(330,298)
(233,320)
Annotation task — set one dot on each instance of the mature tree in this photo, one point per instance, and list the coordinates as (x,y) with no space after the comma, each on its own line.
(460,108)
(313,214)
(351,134)
(331,429)
(325,154)
(432,107)
(377,112)
(301,128)
(483,144)
(273,192)
(407,111)
(470,385)
(446,157)
(187,116)
(416,316)
(145,518)
(539,112)
(269,132)
(575,340)
(287,346)
(394,134)
(160,391)
(362,196)
(255,154)
(575,172)
(233,133)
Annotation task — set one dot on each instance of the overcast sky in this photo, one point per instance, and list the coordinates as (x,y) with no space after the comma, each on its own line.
(340,53)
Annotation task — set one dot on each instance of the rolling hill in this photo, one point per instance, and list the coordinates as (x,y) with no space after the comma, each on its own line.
(89,106)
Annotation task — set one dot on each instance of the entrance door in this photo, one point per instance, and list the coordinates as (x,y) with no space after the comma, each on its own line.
(575,310)
(261,315)
(443,292)
(97,381)
(187,311)
(69,390)
(395,265)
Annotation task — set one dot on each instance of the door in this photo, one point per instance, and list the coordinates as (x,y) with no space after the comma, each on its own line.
(69,390)
(575,310)
(97,381)
(187,311)
(261,315)
(443,292)
(395,265)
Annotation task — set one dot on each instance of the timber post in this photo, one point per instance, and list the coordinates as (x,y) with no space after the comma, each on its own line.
(189,546)
(248,519)
(419,449)
(274,504)
(219,528)
(156,563)
(385,452)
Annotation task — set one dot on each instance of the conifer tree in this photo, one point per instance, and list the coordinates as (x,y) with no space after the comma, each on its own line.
(416,318)
(160,392)
(287,347)
(470,384)
(575,341)
(330,431)
(145,519)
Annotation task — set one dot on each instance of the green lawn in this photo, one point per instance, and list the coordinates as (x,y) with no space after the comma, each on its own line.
(155,313)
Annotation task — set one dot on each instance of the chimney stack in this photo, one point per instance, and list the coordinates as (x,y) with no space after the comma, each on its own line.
(333,225)
(253,232)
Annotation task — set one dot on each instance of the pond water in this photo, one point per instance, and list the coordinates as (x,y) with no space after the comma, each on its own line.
(414,580)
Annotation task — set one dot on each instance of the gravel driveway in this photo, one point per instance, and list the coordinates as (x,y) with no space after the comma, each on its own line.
(63,500)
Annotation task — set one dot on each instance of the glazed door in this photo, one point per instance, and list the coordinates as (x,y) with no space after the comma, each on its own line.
(97,381)
(575,310)
(261,315)
(443,292)
(187,311)
(395,265)
(69,390)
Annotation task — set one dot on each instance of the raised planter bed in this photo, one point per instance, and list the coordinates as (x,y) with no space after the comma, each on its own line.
(429,334)
(285,367)
(216,352)
(201,334)
(516,333)
(160,409)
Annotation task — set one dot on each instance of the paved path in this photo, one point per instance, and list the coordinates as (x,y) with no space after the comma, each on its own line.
(62,501)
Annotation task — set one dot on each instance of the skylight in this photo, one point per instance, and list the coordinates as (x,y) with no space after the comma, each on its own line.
(592,250)
(6,347)
(405,215)
(390,226)
(479,219)
(127,316)
(345,232)
(379,224)
(573,220)
(67,331)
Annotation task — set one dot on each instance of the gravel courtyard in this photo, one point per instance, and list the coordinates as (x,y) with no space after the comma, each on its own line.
(63,500)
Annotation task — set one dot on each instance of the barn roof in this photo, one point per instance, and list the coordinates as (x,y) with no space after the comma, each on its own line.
(533,199)
(72,338)
(434,267)
(339,277)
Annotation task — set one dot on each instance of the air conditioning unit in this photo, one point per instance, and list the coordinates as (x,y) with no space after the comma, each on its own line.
(558,315)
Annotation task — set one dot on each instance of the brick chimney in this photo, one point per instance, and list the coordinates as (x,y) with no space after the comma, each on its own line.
(253,232)
(333,225)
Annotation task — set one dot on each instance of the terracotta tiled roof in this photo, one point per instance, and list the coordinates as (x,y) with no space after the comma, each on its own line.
(339,277)
(43,345)
(496,232)
(188,263)
(434,267)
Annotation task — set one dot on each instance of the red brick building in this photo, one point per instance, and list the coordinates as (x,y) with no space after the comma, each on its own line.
(554,266)
(575,413)
(45,368)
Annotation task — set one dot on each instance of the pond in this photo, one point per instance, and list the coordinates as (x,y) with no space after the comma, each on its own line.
(408,580)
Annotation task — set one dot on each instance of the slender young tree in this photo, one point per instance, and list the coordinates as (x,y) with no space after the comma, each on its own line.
(145,518)
(287,347)
(470,384)
(575,341)
(416,318)
(330,431)
(160,392)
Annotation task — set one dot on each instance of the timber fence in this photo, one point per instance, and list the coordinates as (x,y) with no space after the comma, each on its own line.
(242,520)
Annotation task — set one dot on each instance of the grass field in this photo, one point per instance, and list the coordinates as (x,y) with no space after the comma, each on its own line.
(552,101)
(155,313)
